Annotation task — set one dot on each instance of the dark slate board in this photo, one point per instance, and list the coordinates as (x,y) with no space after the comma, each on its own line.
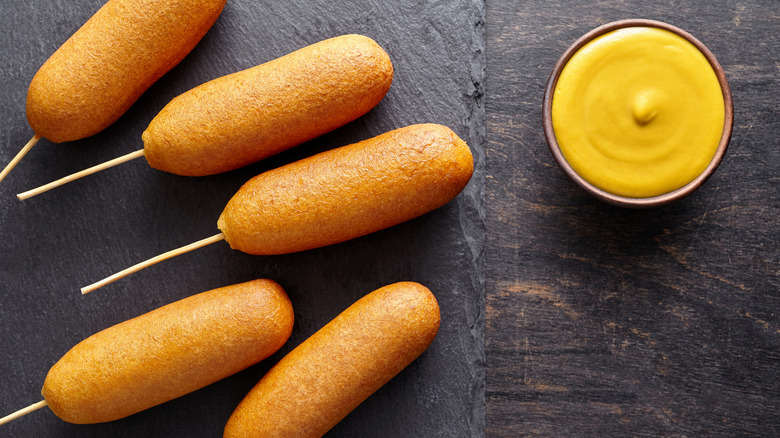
(60,241)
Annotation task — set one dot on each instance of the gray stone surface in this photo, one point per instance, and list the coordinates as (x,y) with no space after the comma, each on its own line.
(56,243)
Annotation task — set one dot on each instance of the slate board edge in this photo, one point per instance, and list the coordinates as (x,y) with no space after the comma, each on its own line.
(477,129)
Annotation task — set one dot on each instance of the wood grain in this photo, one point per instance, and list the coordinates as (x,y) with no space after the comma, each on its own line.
(610,322)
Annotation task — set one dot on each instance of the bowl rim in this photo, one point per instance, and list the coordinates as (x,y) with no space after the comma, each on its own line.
(624,201)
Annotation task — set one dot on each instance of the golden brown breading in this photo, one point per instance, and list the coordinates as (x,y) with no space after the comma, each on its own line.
(246,116)
(348,192)
(169,352)
(322,380)
(100,71)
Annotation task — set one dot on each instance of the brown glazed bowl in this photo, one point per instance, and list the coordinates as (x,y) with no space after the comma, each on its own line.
(623,201)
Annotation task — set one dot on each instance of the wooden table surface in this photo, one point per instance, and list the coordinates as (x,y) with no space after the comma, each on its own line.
(603,321)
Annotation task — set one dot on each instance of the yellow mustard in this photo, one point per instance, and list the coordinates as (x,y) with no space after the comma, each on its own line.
(638,112)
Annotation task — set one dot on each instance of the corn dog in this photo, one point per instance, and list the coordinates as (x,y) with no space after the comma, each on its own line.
(100,71)
(340,194)
(348,192)
(322,380)
(168,352)
(246,116)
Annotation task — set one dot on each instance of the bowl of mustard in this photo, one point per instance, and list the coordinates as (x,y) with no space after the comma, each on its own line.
(638,113)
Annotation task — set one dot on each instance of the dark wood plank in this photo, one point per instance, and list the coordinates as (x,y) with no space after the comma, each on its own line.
(610,322)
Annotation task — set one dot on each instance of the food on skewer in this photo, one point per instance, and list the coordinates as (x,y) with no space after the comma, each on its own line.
(103,68)
(168,352)
(340,194)
(327,376)
(241,118)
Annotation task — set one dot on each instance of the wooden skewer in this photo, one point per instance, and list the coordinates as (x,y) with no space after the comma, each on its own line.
(19,156)
(151,261)
(23,412)
(77,175)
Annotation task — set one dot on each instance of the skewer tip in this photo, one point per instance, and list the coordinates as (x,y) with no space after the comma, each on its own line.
(24,411)
(19,156)
(81,174)
(135,268)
